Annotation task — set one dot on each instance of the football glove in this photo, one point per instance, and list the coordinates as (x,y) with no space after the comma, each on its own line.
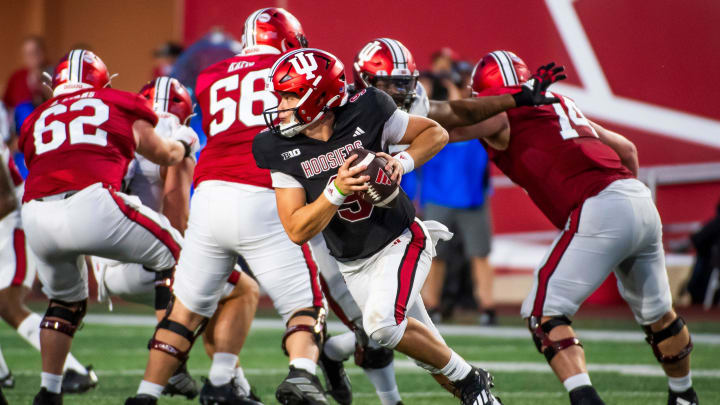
(532,92)
(189,138)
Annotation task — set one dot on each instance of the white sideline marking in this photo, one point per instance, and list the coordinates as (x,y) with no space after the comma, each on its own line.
(446,330)
(407,366)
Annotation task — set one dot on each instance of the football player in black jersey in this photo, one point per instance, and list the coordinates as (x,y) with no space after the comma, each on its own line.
(384,253)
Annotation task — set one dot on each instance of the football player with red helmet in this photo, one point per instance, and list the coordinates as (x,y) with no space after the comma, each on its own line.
(77,147)
(229,217)
(384,254)
(582,177)
(386,64)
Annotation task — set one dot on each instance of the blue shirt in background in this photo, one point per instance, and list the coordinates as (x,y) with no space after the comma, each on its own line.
(457,177)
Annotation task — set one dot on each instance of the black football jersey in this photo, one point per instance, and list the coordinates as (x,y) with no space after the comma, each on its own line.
(358,229)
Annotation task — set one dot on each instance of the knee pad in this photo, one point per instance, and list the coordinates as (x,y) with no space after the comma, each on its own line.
(388,336)
(370,356)
(178,329)
(674,329)
(319,330)
(541,336)
(163,283)
(71,314)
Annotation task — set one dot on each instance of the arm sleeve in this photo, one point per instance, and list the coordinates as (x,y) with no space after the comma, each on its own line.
(394,128)
(282,180)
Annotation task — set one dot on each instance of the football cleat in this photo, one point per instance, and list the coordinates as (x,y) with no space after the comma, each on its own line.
(688,397)
(336,380)
(475,388)
(8,381)
(3,401)
(141,399)
(226,394)
(45,397)
(181,383)
(300,388)
(76,383)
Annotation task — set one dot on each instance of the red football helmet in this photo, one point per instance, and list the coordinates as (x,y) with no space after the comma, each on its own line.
(499,69)
(388,65)
(167,95)
(79,69)
(317,77)
(275,28)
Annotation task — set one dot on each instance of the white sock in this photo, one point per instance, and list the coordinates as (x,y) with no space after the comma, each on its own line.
(4,369)
(680,384)
(305,364)
(578,380)
(148,388)
(340,347)
(241,381)
(52,382)
(390,397)
(29,329)
(457,368)
(383,379)
(223,368)
(72,363)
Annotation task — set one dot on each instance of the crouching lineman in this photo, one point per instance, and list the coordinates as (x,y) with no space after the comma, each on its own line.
(233,214)
(384,254)
(583,180)
(167,190)
(77,146)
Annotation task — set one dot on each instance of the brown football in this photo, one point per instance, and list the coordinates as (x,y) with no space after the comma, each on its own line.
(382,191)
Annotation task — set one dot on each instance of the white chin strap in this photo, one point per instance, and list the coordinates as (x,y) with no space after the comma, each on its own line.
(288,132)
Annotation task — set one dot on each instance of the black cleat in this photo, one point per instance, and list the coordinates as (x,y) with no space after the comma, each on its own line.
(688,397)
(585,395)
(226,394)
(336,380)
(475,388)
(3,401)
(141,399)
(300,388)
(8,381)
(45,397)
(181,383)
(76,383)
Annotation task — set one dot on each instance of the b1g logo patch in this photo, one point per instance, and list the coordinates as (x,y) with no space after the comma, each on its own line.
(355,97)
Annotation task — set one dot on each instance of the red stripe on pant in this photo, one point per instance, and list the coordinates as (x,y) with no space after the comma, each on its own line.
(547,270)
(313,269)
(336,308)
(20,257)
(406,272)
(162,234)
(234,277)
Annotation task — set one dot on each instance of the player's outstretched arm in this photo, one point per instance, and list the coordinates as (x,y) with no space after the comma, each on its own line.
(163,151)
(425,137)
(303,221)
(469,111)
(176,193)
(625,149)
(8,200)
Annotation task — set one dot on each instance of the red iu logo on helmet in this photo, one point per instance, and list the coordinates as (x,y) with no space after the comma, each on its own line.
(382,178)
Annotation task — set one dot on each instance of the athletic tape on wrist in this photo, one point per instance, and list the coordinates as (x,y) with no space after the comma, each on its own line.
(333,194)
(407,162)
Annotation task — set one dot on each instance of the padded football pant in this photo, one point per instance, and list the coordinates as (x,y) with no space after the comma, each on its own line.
(98,221)
(17,266)
(617,230)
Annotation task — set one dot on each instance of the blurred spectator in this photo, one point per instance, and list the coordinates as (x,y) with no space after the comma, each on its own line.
(464,70)
(442,80)
(164,58)
(703,285)
(455,191)
(25,84)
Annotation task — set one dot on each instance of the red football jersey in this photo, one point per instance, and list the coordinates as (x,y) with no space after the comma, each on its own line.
(77,139)
(232,98)
(556,156)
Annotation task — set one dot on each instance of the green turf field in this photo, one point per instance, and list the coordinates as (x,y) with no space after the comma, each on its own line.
(118,354)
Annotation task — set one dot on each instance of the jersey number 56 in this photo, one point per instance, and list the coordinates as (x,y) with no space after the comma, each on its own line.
(242,109)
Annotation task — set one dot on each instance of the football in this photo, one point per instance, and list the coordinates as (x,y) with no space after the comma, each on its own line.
(382,190)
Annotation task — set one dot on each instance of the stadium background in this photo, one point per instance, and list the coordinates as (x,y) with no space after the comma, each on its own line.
(642,69)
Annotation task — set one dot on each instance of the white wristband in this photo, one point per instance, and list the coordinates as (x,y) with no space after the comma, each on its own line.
(406,161)
(333,194)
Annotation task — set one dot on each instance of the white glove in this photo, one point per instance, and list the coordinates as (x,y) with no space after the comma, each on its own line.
(421,104)
(188,136)
(167,124)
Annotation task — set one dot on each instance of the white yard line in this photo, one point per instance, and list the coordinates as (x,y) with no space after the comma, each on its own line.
(446,330)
